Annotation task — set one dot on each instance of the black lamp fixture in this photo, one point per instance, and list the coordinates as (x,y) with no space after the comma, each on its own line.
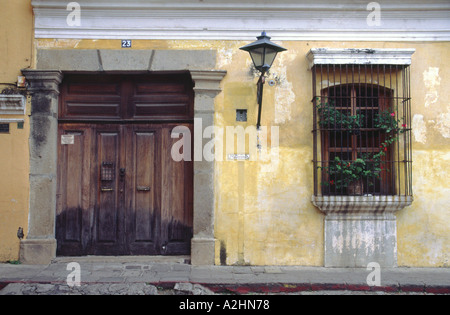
(263,53)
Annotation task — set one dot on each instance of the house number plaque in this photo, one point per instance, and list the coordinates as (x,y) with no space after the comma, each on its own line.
(126,43)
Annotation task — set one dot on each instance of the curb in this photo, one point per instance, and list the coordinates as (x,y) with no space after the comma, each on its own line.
(308,287)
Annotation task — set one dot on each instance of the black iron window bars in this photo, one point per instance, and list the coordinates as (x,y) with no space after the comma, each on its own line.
(362,130)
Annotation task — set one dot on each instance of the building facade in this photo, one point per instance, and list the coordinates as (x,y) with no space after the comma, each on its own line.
(139,132)
(16,30)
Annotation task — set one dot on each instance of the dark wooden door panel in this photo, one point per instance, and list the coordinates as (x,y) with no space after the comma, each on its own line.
(121,193)
(147,109)
(74,158)
(83,98)
(72,217)
(119,190)
(142,190)
(144,187)
(152,97)
(162,97)
(105,109)
(177,202)
(107,214)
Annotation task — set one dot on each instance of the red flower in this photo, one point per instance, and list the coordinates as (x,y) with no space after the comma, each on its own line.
(393,114)
(332,182)
(385,149)
(404,125)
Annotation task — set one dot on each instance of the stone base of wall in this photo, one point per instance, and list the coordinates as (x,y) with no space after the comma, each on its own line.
(356,242)
(203,252)
(360,230)
(37,252)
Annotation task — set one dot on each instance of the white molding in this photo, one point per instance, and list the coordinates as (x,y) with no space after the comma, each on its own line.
(12,120)
(336,56)
(12,105)
(243,20)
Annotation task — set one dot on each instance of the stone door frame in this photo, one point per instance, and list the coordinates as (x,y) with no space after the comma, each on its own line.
(39,247)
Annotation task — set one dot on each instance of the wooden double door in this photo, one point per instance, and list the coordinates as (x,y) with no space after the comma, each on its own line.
(120,192)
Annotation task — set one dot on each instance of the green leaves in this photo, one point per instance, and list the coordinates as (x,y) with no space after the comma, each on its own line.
(369,165)
(387,121)
(343,173)
(330,117)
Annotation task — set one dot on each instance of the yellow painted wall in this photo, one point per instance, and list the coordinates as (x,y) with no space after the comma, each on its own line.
(264,215)
(16,34)
(424,228)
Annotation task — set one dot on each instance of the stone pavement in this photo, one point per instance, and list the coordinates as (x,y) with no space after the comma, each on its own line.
(171,275)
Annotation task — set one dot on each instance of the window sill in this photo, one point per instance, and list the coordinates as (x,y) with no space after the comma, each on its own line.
(361,205)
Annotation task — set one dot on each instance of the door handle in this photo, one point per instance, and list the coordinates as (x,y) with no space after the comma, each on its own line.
(104,189)
(143,188)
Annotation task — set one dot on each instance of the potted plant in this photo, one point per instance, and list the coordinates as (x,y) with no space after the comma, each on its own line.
(352,175)
(332,118)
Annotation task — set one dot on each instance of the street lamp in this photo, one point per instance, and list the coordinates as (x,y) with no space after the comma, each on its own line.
(263,53)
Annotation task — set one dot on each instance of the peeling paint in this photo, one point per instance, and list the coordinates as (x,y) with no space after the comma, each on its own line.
(225,57)
(284,92)
(443,123)
(432,81)
(419,129)
(57,43)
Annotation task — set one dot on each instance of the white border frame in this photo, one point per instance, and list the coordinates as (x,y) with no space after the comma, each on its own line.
(243,20)
(359,56)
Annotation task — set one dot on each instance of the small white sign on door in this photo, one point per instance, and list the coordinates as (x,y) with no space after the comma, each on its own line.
(67,139)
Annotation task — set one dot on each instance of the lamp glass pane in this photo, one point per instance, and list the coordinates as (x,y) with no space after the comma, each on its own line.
(270,56)
(258,57)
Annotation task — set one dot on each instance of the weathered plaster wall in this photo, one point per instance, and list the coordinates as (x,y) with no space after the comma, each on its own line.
(264,215)
(424,229)
(16,29)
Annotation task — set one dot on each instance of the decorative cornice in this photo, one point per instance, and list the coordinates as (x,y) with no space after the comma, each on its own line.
(336,56)
(12,104)
(12,120)
(411,20)
(43,80)
(208,81)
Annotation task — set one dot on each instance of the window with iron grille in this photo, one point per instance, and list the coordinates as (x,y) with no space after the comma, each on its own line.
(362,127)
(4,128)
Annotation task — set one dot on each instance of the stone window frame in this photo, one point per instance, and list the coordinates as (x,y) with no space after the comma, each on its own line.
(336,56)
(39,247)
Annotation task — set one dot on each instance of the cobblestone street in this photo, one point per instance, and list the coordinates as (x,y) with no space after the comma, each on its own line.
(172,276)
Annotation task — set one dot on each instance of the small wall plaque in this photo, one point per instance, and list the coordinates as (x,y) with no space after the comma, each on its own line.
(67,139)
(238,157)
